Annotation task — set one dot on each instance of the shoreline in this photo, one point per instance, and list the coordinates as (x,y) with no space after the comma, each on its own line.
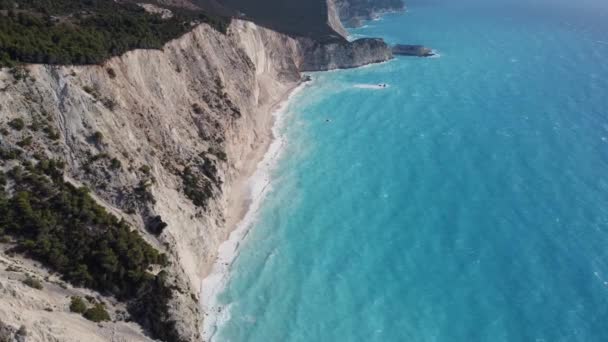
(250,191)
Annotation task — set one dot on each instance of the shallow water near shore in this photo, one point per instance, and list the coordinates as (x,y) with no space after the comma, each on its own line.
(465,201)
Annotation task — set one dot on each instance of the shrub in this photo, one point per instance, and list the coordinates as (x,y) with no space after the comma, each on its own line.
(89,90)
(97,313)
(197,189)
(115,164)
(109,103)
(97,137)
(27,141)
(221,155)
(6,154)
(35,126)
(111,73)
(196,108)
(143,194)
(150,310)
(17,124)
(51,133)
(32,282)
(78,305)
(98,156)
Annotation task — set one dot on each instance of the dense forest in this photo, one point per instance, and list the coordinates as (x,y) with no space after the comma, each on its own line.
(63,227)
(86,31)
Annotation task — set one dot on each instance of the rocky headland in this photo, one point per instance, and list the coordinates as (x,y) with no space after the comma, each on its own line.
(353,13)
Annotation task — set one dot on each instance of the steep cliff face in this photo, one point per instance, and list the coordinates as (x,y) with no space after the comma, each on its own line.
(340,55)
(333,18)
(354,12)
(166,140)
(203,103)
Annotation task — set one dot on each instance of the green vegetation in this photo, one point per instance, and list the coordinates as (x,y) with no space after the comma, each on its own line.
(32,282)
(27,141)
(17,124)
(51,133)
(111,73)
(9,154)
(97,313)
(115,164)
(145,169)
(197,189)
(64,228)
(97,137)
(90,90)
(152,303)
(86,32)
(142,193)
(78,305)
(220,154)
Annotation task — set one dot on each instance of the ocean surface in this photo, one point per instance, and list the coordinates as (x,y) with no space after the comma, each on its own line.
(466,201)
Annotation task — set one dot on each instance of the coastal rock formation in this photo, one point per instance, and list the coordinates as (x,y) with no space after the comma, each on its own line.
(413,50)
(354,12)
(342,54)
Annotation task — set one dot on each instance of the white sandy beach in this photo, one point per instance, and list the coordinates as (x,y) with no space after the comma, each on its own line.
(249,196)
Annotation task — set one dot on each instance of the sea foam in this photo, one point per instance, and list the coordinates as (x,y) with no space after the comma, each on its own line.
(259,184)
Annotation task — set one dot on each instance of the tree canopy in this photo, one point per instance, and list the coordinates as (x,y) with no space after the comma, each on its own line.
(86,32)
(63,227)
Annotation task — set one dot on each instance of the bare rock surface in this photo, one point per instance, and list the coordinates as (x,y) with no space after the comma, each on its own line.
(204,102)
(206,98)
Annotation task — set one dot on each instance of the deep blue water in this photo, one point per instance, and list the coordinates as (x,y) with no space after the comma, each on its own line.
(468,201)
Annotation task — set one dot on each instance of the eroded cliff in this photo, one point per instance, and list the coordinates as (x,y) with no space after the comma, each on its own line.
(321,56)
(165,139)
(201,106)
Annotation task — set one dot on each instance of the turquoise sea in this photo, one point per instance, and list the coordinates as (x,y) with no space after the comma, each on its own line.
(467,201)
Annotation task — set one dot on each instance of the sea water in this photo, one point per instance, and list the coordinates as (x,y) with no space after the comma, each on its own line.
(466,201)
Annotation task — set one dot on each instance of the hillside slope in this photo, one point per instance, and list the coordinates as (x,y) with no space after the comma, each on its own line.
(164,140)
(202,104)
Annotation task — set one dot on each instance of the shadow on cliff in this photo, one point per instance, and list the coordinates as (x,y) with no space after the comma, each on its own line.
(293,17)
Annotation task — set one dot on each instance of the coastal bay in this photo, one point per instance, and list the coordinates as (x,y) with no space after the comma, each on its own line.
(465,201)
